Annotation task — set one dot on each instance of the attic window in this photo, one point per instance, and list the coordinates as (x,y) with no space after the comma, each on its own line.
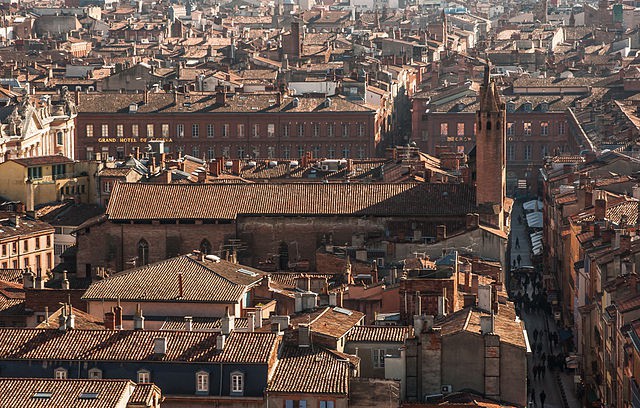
(511,107)
(133,108)
(527,106)
(89,395)
(246,272)
(43,395)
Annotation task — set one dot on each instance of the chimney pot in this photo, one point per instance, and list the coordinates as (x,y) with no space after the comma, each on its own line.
(110,320)
(188,323)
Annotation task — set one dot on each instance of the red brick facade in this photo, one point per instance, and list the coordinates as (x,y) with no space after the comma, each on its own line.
(283,133)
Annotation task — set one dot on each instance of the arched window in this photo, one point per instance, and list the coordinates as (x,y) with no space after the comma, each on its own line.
(205,247)
(143,252)
(488,125)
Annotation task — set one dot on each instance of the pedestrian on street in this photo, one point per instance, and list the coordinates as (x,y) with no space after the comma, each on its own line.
(517,243)
(519,258)
(514,263)
(543,397)
(533,396)
(535,335)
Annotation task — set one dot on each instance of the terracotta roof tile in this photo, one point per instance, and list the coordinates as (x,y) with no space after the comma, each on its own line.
(42,160)
(331,322)
(21,392)
(83,321)
(203,281)
(206,103)
(25,226)
(178,201)
(310,370)
(384,334)
(245,347)
(201,323)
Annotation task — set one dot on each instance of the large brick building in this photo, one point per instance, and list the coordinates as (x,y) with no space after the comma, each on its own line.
(210,125)
(150,222)
(537,125)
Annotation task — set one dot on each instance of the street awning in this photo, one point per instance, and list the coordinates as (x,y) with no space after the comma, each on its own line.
(533,205)
(534,219)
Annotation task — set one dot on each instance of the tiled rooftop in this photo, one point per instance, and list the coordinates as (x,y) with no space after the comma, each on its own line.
(203,281)
(77,393)
(178,201)
(382,334)
(315,370)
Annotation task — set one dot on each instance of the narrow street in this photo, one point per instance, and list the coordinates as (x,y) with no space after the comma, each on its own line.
(540,322)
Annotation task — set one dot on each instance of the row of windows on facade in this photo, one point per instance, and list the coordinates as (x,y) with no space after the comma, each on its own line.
(527,129)
(27,263)
(331,152)
(57,171)
(26,246)
(256,130)
(527,151)
(144,377)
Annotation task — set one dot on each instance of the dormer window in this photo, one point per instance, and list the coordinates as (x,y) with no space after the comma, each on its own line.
(527,106)
(544,106)
(237,383)
(511,106)
(202,382)
(60,373)
(95,374)
(144,376)
(133,108)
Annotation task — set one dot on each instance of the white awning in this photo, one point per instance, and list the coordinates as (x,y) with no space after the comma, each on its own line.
(533,205)
(534,219)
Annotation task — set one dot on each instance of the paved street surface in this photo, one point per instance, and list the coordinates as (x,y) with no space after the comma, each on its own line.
(538,320)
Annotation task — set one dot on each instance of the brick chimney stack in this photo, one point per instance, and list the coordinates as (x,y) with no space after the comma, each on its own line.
(601,207)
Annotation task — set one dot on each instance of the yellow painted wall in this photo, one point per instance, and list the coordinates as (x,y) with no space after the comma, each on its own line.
(12,181)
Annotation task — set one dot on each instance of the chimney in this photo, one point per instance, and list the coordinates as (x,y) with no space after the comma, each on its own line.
(418,323)
(62,319)
(333,299)
(235,166)
(65,281)
(71,319)
(601,207)
(160,346)
(46,315)
(487,324)
(442,306)
(220,340)
(474,284)
(221,97)
(251,321)
(39,280)
(304,335)
(428,322)
(110,320)
(279,323)
(441,232)
(180,285)
(258,317)
(228,322)
(146,97)
(138,319)
(188,323)
(625,242)
(588,196)
(472,221)
(28,279)
(298,306)
(118,312)
(484,298)
(418,303)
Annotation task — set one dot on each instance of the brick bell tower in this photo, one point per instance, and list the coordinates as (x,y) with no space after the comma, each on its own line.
(491,160)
